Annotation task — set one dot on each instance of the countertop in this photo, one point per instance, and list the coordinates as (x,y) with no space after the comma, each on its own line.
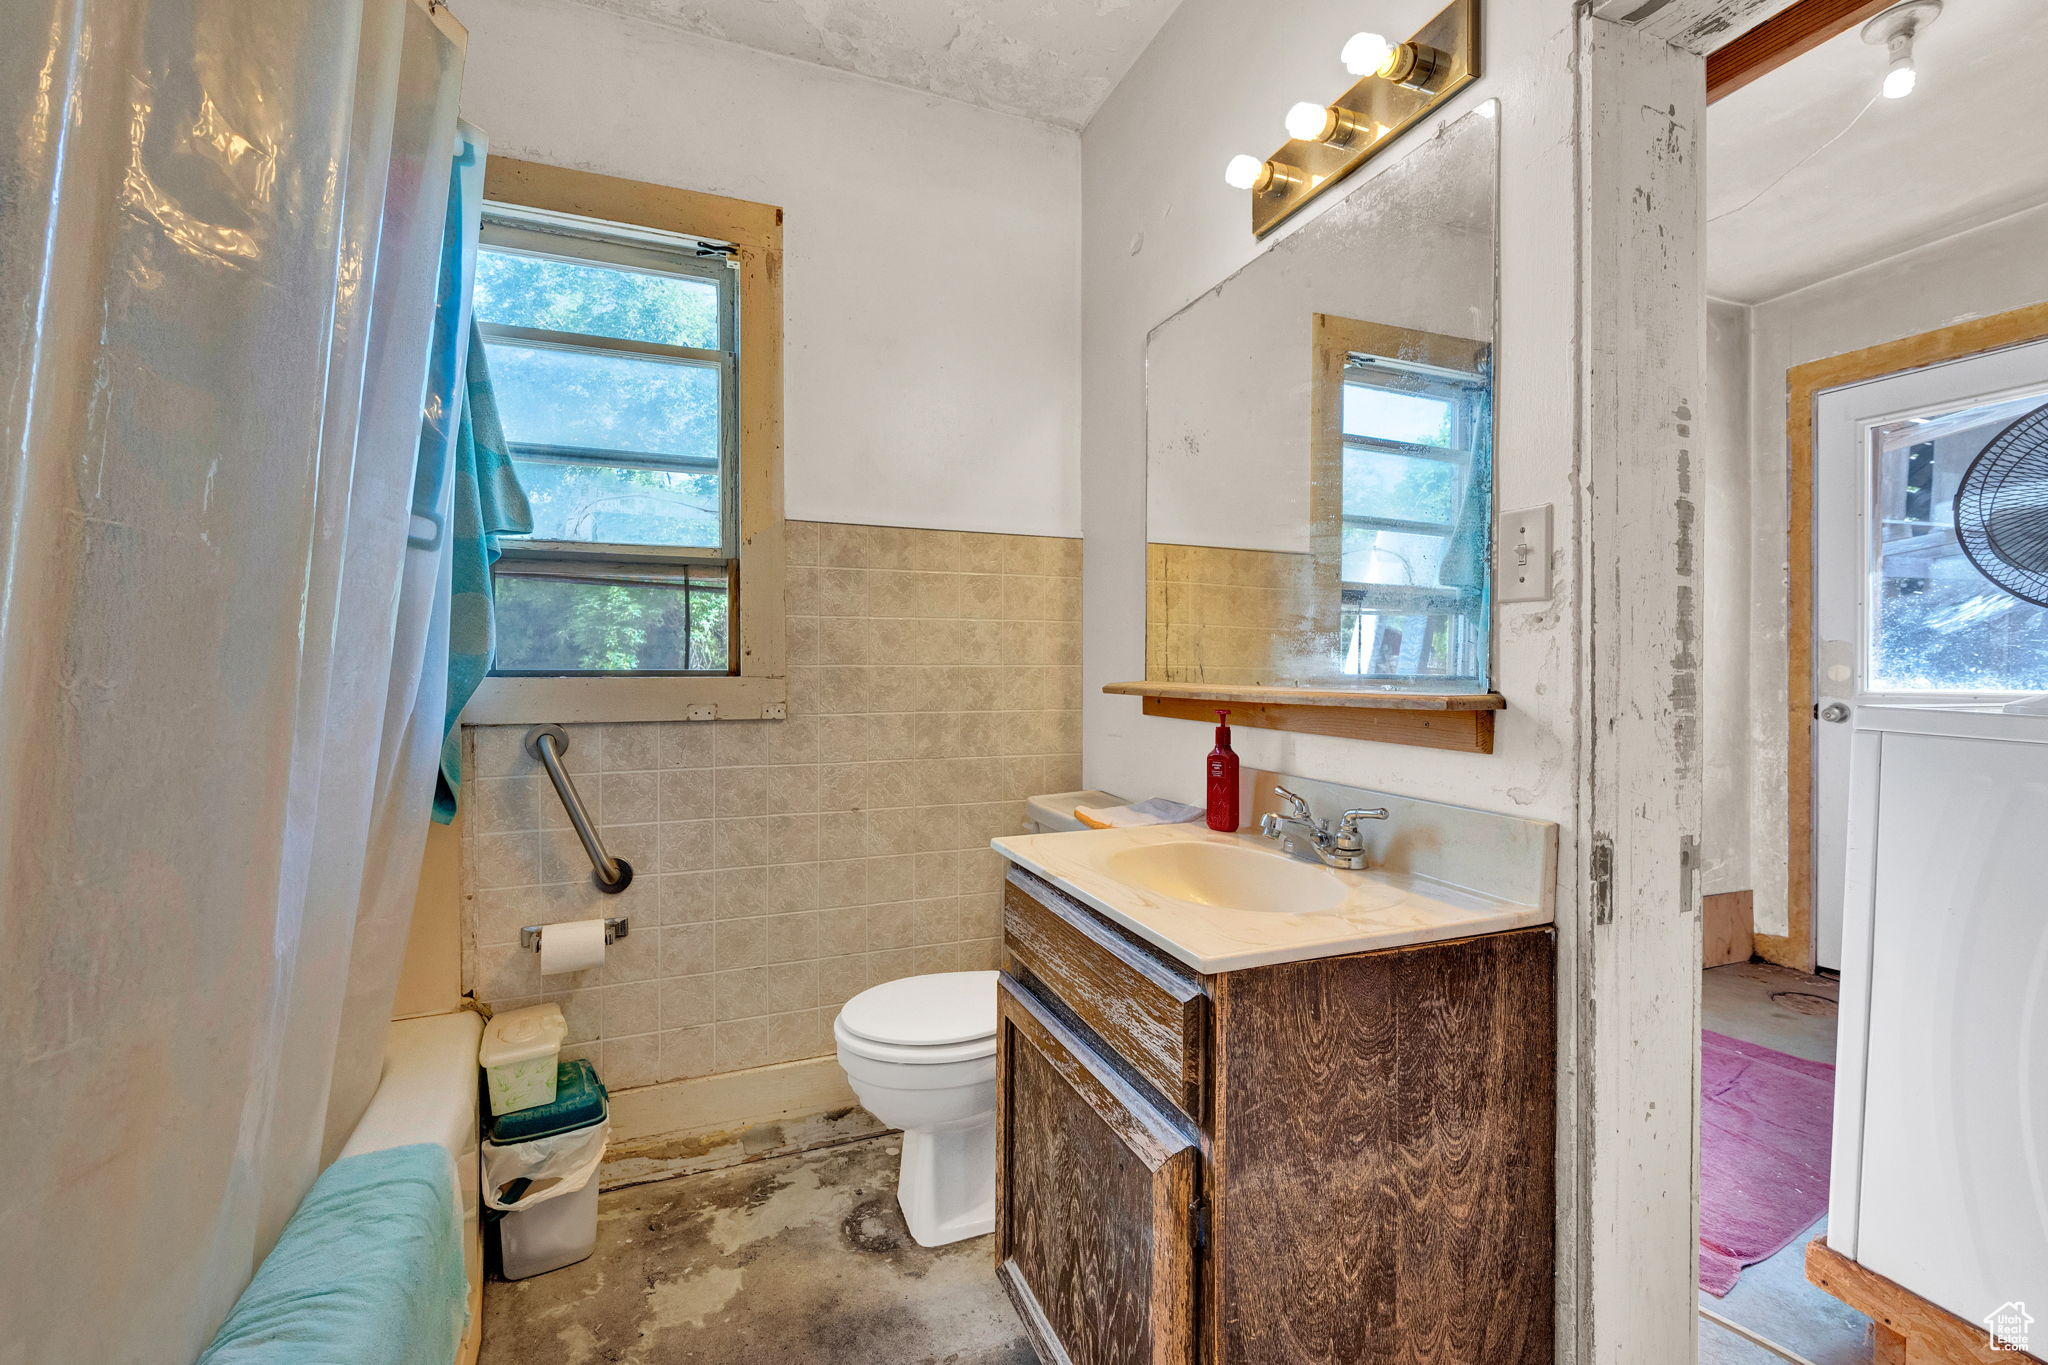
(1374,909)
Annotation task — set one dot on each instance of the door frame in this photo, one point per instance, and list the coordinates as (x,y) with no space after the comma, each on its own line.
(1795,948)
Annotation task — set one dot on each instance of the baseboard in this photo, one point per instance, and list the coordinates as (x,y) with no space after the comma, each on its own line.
(1727,928)
(731,1099)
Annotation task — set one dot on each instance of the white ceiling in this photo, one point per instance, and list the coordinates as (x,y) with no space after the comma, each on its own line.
(1966,147)
(1051,60)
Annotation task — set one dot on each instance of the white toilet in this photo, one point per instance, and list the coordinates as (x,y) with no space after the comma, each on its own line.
(921,1054)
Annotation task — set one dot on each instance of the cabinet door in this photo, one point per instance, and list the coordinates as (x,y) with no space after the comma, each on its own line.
(1095,1201)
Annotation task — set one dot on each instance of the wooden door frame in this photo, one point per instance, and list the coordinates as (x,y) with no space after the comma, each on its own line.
(1796,947)
(1629,927)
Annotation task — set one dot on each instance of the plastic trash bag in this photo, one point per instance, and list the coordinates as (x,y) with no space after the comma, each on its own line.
(519,1175)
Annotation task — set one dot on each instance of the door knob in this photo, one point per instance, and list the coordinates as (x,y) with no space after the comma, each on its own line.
(1834,713)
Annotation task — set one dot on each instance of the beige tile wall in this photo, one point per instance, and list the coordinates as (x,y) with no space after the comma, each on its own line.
(782,866)
(1232,617)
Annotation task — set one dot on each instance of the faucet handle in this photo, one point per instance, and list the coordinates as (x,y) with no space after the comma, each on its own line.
(1348,840)
(1296,807)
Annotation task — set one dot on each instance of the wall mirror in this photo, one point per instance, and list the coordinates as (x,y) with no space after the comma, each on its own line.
(1319,433)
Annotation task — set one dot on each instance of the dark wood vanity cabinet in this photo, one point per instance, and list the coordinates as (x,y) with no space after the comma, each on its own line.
(1347,1160)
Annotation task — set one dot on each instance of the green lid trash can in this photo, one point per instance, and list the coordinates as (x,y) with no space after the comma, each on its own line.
(540,1171)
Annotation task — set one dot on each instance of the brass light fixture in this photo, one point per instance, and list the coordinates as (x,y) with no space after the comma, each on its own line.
(1401,82)
(1328,123)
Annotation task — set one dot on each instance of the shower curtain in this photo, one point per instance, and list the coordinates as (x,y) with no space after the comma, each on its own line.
(220,229)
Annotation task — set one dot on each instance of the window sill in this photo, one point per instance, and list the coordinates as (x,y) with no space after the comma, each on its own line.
(533,701)
(1460,721)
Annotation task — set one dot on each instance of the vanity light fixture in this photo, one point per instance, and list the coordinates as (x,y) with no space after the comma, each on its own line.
(1260,177)
(1411,63)
(1399,84)
(1894,31)
(1366,53)
(1308,122)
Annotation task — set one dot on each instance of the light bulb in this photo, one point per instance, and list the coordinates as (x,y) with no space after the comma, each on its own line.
(1366,53)
(1308,122)
(1243,172)
(1895,30)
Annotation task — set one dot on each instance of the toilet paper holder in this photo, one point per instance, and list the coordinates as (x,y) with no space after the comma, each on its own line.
(614,930)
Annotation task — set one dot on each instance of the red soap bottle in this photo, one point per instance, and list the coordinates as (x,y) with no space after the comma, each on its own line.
(1223,779)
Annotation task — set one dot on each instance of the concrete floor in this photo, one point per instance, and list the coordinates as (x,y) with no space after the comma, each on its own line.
(1775,1006)
(1793,1013)
(799,1260)
(804,1260)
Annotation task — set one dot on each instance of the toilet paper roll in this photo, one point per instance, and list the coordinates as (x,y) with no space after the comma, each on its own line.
(573,947)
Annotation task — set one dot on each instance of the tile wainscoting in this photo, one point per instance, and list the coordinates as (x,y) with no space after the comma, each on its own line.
(783,866)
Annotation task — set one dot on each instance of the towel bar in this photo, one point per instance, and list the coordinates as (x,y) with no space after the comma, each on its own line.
(548,743)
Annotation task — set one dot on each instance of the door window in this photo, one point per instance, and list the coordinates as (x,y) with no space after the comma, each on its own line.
(1934,623)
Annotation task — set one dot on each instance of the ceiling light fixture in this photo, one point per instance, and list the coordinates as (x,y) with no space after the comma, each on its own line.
(1894,31)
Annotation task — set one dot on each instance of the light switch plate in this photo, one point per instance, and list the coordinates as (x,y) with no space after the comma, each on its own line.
(1521,554)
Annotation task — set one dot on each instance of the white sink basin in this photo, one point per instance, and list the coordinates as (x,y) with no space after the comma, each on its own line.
(1229,875)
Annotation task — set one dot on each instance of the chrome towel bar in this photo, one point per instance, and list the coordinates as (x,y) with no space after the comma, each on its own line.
(547,743)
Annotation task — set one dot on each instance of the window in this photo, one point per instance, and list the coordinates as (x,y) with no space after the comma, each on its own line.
(1935,624)
(614,363)
(1414,506)
(633,335)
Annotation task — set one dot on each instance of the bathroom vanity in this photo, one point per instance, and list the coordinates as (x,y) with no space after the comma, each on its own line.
(1289,1134)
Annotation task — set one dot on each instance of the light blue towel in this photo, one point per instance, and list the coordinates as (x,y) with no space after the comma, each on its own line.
(488,504)
(368,1272)
(487,499)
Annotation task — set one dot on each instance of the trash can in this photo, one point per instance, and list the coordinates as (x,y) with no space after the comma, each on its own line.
(540,1174)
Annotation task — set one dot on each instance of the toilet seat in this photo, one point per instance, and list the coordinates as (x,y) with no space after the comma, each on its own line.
(917,1013)
(902,1054)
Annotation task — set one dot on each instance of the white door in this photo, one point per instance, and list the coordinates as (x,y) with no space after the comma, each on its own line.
(1901,615)
(1940,1176)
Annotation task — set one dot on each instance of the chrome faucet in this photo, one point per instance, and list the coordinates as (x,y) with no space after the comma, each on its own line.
(1342,847)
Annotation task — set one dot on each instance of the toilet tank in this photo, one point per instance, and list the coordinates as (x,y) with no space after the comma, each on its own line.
(1054,813)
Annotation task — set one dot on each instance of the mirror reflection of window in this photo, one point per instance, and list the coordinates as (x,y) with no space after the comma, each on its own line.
(1415,499)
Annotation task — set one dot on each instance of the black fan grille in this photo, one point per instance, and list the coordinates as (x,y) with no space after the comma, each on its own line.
(2002,508)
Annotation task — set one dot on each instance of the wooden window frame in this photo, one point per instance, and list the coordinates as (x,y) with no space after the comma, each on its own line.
(758,688)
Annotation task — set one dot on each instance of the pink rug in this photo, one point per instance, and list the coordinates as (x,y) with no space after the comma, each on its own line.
(1765,1121)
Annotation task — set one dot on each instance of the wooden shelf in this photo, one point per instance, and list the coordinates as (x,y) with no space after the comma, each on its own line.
(1459,721)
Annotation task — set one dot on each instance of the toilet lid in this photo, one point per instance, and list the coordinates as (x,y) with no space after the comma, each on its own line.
(925,1011)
